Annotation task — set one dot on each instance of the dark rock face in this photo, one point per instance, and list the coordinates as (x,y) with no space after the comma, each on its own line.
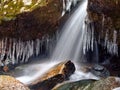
(107,10)
(34,24)
(105,17)
(55,75)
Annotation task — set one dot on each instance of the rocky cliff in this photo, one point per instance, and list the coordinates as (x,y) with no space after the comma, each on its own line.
(105,17)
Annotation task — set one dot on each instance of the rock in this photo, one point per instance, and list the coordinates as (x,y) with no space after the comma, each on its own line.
(9,10)
(79,85)
(41,20)
(55,75)
(49,83)
(10,83)
(100,71)
(5,69)
(104,84)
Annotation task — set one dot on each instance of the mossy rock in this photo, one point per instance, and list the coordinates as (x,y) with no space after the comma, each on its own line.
(79,85)
(42,20)
(103,84)
(10,8)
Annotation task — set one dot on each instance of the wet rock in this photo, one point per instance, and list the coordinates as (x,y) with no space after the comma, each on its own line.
(104,84)
(10,83)
(49,83)
(79,85)
(55,75)
(100,71)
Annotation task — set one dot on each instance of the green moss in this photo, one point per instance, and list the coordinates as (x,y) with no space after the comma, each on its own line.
(10,8)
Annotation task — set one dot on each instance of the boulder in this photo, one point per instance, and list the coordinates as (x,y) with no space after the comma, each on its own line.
(100,71)
(10,83)
(78,85)
(41,18)
(104,84)
(55,75)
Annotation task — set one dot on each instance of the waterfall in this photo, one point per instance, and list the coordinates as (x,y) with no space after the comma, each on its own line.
(76,37)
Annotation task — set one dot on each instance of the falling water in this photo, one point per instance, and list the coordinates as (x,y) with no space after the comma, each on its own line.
(76,39)
(74,36)
(72,31)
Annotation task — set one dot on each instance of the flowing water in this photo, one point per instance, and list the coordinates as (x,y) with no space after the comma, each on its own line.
(72,31)
(72,44)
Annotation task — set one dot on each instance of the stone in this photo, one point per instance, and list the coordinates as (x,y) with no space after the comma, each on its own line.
(39,21)
(49,83)
(109,83)
(5,69)
(100,71)
(52,77)
(106,84)
(78,85)
(10,83)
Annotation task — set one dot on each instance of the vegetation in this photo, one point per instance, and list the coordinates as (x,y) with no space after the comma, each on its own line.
(10,8)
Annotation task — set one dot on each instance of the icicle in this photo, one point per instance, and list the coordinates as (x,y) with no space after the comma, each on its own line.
(63,12)
(74,2)
(67,5)
(22,53)
(13,52)
(103,22)
(2,53)
(92,39)
(84,42)
(106,39)
(37,47)
(115,47)
(112,46)
(16,51)
(9,50)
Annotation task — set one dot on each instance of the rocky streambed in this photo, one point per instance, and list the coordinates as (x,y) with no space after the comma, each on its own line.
(58,77)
